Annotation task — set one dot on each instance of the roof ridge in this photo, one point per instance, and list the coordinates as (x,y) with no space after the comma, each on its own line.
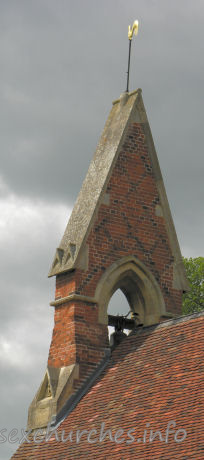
(173,321)
(179,319)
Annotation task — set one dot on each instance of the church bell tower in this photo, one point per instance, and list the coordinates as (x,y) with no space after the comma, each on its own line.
(120,236)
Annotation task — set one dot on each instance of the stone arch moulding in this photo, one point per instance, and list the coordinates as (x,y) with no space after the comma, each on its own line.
(139,286)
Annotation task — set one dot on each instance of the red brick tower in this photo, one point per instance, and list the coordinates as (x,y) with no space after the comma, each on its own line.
(120,235)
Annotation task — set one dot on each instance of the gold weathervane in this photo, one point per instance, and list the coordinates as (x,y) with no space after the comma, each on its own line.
(131,32)
(134,30)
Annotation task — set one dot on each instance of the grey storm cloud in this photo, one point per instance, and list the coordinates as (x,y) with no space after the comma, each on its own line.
(62,64)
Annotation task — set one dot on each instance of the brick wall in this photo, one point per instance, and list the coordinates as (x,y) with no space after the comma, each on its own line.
(127,225)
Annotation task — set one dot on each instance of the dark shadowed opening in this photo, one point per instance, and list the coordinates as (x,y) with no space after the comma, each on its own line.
(118,305)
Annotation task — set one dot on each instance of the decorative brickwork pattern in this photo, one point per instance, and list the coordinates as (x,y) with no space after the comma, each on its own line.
(127,225)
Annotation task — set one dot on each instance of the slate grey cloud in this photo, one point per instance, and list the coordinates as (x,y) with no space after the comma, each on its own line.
(57,68)
(62,63)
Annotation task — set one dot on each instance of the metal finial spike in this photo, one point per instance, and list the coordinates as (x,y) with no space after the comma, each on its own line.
(131,32)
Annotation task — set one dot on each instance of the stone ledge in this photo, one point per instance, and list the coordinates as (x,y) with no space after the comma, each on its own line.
(72,297)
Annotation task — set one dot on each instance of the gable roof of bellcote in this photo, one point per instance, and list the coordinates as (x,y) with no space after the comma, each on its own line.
(71,252)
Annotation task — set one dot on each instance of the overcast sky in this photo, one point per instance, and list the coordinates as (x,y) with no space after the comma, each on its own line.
(62,64)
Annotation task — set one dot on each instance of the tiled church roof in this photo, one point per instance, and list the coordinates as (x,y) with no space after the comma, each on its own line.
(154,377)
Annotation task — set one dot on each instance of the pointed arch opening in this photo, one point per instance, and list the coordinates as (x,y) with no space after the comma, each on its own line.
(139,286)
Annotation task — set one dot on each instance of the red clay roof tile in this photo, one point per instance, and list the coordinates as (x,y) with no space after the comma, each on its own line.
(153,378)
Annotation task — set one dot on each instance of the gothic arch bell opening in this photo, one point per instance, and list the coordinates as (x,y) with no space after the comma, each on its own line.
(139,287)
(129,284)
